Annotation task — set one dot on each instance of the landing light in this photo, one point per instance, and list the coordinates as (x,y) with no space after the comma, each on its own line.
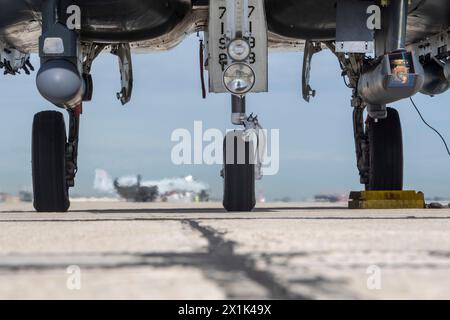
(239,50)
(53,46)
(239,78)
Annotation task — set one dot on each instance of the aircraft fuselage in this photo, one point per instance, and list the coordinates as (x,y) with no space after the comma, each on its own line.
(114,21)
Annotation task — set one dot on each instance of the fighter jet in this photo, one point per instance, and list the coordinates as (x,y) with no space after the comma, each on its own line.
(388,50)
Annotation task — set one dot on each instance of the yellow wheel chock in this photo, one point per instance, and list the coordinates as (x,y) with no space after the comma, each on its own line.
(386,200)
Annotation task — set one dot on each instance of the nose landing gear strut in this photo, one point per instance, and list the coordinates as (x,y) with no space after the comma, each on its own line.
(243,154)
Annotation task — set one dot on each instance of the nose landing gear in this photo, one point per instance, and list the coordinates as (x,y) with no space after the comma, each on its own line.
(242,151)
(238,176)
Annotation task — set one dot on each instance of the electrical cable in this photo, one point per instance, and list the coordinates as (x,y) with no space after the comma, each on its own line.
(429,126)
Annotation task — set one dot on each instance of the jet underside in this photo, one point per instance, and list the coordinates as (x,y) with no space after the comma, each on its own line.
(153,25)
(388,50)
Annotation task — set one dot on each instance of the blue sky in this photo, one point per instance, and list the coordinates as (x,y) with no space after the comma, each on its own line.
(316,150)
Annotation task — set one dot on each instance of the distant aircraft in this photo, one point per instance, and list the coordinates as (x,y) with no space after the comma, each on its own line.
(136,192)
(334,197)
(132,188)
(388,50)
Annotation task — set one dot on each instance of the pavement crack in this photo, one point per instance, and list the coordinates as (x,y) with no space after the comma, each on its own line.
(222,256)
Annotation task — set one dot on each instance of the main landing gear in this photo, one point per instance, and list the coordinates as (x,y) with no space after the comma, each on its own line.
(392,74)
(64,79)
(379,148)
(54,159)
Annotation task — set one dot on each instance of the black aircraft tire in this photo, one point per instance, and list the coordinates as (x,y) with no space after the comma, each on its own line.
(386,152)
(239,179)
(50,188)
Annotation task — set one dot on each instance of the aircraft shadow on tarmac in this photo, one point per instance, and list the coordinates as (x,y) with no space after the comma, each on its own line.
(197,210)
(219,213)
(186,210)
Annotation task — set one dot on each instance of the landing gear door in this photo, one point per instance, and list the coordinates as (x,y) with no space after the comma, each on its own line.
(223,21)
(356,21)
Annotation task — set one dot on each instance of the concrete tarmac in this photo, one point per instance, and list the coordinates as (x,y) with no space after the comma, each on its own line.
(115,250)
